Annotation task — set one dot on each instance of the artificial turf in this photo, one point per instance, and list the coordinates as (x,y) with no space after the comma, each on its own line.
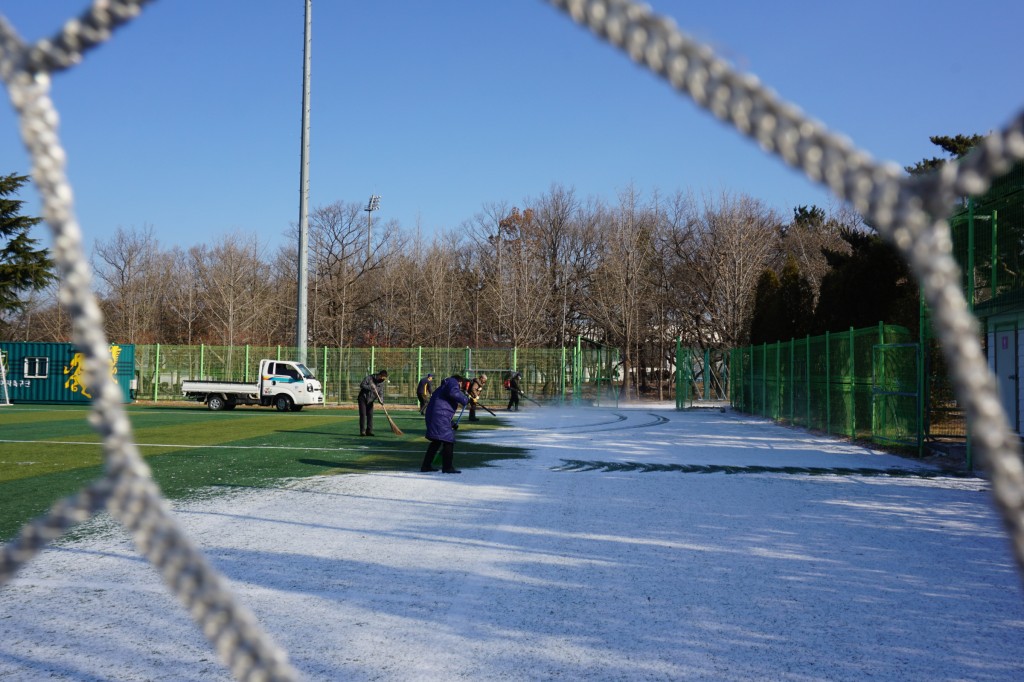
(48,452)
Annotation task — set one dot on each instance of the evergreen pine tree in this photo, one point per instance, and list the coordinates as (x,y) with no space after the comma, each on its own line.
(957,147)
(765,322)
(23,265)
(796,302)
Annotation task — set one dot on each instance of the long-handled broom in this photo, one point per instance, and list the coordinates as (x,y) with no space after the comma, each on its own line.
(394,427)
(523,395)
(485,408)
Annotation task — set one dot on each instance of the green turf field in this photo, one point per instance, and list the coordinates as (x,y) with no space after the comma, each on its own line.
(49,451)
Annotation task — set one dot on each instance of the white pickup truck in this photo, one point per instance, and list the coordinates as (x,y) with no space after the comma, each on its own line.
(288,386)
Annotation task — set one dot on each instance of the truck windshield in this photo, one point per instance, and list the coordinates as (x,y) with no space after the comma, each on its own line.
(306,374)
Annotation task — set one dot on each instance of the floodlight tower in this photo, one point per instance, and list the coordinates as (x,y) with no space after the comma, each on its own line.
(300,312)
(372,205)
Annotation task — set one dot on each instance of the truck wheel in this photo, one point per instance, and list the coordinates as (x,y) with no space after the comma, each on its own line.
(296,408)
(215,403)
(283,403)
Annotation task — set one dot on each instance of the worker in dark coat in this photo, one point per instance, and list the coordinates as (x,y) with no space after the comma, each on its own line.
(423,391)
(473,388)
(440,431)
(371,390)
(514,389)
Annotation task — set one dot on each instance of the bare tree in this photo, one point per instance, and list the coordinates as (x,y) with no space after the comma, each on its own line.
(126,267)
(622,282)
(720,248)
(444,297)
(347,277)
(555,229)
(232,276)
(184,305)
(41,318)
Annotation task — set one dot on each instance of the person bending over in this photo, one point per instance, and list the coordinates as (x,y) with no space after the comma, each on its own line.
(371,390)
(440,431)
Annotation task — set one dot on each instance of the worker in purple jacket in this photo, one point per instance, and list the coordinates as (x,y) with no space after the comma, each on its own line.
(440,431)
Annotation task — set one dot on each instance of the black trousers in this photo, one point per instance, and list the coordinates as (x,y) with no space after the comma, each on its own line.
(513,400)
(365,416)
(447,455)
(423,402)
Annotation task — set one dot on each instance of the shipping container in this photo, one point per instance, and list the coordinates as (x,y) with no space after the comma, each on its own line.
(55,372)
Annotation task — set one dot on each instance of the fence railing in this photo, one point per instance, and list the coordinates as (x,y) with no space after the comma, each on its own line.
(582,374)
(861,383)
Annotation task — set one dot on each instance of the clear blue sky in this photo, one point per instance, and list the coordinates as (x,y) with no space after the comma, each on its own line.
(189,119)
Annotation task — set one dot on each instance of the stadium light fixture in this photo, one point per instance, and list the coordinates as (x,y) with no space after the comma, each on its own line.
(372,205)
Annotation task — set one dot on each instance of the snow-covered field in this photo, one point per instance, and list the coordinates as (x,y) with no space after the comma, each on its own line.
(533,570)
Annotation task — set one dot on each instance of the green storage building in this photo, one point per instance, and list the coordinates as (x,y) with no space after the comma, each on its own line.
(55,373)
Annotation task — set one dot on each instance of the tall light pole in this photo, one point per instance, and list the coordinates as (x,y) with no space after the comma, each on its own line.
(372,205)
(300,308)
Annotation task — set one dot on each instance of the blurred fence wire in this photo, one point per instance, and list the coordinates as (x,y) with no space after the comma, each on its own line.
(909,212)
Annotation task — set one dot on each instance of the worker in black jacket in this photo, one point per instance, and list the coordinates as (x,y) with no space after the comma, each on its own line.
(423,391)
(371,390)
(514,389)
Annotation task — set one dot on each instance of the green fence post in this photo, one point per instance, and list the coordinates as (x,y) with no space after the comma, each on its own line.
(969,266)
(202,361)
(563,375)
(246,363)
(373,359)
(853,391)
(828,384)
(792,381)
(577,382)
(515,359)
(279,352)
(469,361)
(419,363)
(764,379)
(778,382)
(921,322)
(707,374)
(878,416)
(678,371)
(323,381)
(995,261)
(807,364)
(156,373)
(752,378)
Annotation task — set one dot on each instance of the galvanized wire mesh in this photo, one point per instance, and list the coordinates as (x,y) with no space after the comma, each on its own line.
(861,383)
(905,211)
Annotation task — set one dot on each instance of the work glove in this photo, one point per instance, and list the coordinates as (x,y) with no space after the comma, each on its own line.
(455,426)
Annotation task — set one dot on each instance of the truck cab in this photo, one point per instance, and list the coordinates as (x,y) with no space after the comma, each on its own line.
(288,386)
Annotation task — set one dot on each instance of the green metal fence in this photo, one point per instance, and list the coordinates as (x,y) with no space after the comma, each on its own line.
(702,376)
(861,383)
(583,374)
